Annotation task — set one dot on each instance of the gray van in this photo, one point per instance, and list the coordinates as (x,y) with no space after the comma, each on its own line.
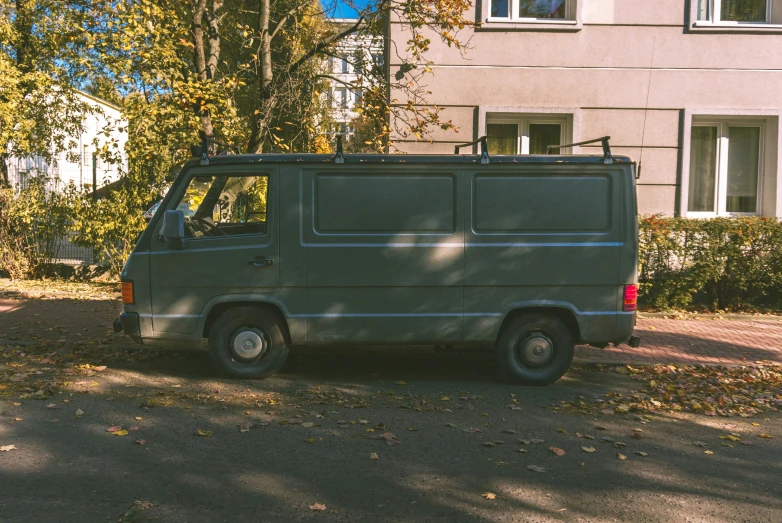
(523,255)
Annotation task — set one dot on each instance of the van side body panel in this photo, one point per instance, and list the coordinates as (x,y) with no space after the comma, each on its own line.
(385,252)
(545,236)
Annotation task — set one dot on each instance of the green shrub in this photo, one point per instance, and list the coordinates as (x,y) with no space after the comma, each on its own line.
(31,221)
(717,264)
(110,226)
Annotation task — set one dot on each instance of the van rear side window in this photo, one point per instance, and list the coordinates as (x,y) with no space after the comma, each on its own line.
(385,204)
(530,203)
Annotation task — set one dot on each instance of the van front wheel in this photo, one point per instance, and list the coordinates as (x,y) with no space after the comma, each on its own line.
(247,342)
(535,349)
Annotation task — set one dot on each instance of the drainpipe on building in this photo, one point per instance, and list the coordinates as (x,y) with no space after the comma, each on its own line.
(94,175)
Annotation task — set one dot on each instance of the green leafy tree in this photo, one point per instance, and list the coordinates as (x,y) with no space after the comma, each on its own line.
(43,44)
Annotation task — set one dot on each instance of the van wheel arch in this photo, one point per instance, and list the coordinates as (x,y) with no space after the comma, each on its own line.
(220,308)
(565,315)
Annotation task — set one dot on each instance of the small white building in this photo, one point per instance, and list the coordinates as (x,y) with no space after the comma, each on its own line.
(103,126)
(344,70)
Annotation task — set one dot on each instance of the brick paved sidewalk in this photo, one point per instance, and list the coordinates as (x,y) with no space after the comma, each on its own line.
(704,341)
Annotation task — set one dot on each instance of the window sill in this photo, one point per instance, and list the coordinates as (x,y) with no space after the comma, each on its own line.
(529,24)
(722,27)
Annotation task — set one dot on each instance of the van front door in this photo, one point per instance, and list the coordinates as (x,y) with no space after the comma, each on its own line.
(231,245)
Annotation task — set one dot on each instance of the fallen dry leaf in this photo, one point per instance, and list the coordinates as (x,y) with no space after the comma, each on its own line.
(374,456)
(141,441)
(389,438)
(557,451)
(120,433)
(204,433)
(640,453)
(708,452)
(310,440)
(488,495)
(620,457)
(318,506)
(535,468)
(79,413)
(766,436)
(589,449)
(308,424)
(52,406)
(6,448)
(114,428)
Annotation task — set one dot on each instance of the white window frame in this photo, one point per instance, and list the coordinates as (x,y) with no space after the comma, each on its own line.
(773,23)
(523,122)
(715,8)
(572,21)
(721,187)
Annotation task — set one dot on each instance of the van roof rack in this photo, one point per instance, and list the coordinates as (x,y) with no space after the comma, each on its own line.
(203,150)
(484,148)
(607,158)
(340,156)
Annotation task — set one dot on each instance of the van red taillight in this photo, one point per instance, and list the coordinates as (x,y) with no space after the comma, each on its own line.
(630,300)
(127,293)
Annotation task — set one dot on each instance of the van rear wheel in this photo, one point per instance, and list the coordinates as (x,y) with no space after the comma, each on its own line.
(535,349)
(247,342)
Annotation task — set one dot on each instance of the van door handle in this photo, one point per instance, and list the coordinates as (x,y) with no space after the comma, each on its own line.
(260,261)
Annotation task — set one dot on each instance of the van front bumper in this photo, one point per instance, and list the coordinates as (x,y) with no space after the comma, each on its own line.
(129,324)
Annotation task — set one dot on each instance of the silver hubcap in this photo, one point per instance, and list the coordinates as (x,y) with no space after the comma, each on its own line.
(249,344)
(537,349)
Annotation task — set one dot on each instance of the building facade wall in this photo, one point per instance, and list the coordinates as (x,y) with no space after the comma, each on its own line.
(74,166)
(642,72)
(344,76)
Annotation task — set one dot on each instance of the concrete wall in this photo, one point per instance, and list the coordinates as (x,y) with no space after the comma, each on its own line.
(632,69)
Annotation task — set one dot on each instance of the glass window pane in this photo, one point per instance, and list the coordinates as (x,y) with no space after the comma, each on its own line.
(743,163)
(224,205)
(542,135)
(542,8)
(703,169)
(743,11)
(503,138)
(703,10)
(499,8)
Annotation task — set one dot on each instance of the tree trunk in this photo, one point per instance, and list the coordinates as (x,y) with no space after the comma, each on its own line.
(200,63)
(4,181)
(259,120)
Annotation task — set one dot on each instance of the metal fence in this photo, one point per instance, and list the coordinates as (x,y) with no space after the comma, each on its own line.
(70,254)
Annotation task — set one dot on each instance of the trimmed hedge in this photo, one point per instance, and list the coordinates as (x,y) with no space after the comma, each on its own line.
(728,264)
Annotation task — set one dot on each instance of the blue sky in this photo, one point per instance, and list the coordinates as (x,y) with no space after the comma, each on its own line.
(342,9)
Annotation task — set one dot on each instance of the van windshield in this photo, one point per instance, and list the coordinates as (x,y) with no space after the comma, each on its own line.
(225,205)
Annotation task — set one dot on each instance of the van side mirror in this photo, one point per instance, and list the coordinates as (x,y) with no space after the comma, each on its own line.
(173,230)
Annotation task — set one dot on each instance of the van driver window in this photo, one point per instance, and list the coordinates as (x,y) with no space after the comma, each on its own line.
(225,206)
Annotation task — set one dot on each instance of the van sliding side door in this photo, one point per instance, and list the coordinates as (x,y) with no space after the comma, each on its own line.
(385,254)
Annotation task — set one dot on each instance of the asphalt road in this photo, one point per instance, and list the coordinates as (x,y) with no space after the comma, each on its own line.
(310,445)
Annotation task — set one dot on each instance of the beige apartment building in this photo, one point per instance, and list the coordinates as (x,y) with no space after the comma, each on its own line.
(691,89)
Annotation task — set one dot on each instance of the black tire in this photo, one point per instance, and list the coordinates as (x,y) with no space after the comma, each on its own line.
(535,349)
(259,328)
